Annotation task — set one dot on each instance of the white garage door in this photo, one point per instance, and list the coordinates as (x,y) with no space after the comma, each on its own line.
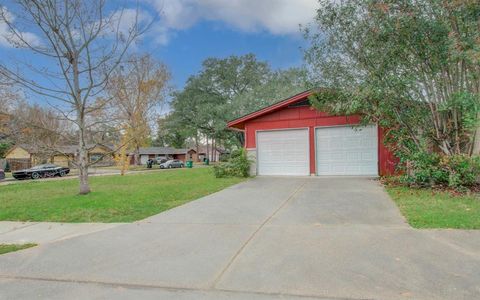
(143,159)
(283,152)
(347,151)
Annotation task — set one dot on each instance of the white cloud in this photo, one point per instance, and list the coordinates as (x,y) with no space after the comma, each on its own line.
(125,19)
(280,17)
(7,38)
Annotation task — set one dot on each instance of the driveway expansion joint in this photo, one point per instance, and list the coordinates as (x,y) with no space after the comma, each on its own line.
(232,260)
(20,227)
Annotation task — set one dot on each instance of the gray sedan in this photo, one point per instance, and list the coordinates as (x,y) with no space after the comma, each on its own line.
(173,163)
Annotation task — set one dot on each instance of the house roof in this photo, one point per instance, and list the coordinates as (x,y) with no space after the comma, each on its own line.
(12,148)
(72,149)
(64,149)
(239,123)
(162,150)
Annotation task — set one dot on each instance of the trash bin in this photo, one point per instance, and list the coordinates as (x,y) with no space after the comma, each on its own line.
(206,161)
(189,164)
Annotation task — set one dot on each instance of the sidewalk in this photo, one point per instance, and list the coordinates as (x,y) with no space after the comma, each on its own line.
(46,232)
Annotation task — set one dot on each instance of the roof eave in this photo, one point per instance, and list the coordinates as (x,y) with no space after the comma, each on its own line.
(239,123)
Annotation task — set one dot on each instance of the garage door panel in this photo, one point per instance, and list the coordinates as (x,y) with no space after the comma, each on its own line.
(283,152)
(347,151)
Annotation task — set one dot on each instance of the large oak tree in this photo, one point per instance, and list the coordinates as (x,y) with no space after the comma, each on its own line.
(225,89)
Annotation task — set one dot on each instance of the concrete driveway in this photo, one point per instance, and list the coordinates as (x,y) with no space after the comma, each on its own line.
(268,238)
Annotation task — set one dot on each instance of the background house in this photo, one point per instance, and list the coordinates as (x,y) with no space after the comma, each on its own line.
(20,157)
(101,154)
(26,156)
(182,154)
(165,152)
(212,155)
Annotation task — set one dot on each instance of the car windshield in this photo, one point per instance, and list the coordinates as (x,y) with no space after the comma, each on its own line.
(39,167)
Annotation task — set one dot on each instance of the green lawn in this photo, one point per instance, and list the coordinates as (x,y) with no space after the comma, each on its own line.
(5,248)
(425,208)
(114,198)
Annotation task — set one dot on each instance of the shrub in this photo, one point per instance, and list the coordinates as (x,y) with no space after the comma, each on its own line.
(432,169)
(462,170)
(224,157)
(238,165)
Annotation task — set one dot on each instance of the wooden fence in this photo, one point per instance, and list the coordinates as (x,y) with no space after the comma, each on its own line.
(15,164)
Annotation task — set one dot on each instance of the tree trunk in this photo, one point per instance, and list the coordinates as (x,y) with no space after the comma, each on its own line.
(136,156)
(208,154)
(83,168)
(196,145)
(476,142)
(214,153)
(240,137)
(84,187)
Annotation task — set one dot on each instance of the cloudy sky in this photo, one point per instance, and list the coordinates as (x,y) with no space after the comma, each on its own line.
(185,32)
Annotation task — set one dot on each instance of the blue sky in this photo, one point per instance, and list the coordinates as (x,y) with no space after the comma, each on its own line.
(187,49)
(185,32)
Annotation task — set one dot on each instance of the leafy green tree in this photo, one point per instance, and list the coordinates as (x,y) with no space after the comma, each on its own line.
(204,106)
(162,132)
(170,133)
(225,89)
(278,85)
(5,145)
(412,66)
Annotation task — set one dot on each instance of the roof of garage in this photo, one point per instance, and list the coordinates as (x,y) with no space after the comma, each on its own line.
(239,123)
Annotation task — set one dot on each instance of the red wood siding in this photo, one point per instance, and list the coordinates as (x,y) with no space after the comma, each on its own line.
(179,157)
(386,159)
(308,117)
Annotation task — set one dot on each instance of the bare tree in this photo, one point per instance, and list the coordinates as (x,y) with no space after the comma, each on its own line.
(139,88)
(85,45)
(9,96)
(39,128)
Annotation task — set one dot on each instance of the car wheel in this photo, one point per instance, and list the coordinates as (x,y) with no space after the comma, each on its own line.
(63,174)
(169,166)
(35,175)
(162,167)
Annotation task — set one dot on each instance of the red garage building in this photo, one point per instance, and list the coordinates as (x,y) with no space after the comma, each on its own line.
(292,138)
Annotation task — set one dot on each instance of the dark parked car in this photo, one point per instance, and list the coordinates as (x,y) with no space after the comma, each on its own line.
(173,163)
(41,171)
(2,174)
(160,160)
